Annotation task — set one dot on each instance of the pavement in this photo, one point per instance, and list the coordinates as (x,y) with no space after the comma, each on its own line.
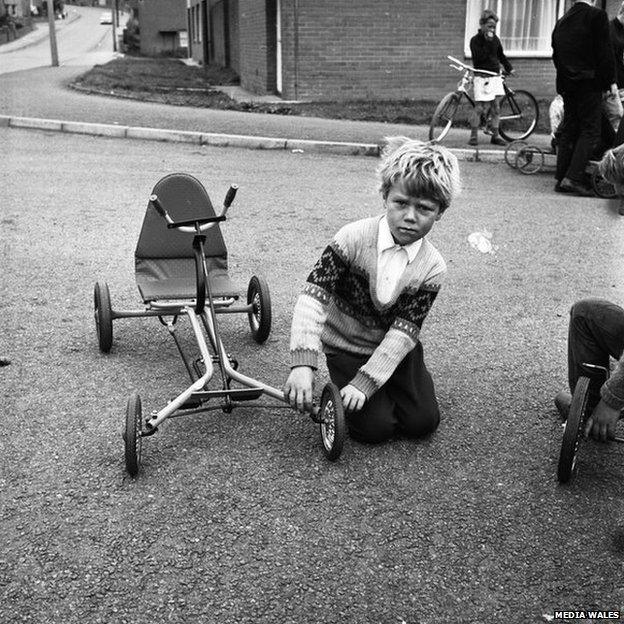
(42,99)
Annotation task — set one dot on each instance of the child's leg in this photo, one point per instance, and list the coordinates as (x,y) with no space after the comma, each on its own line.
(376,421)
(596,332)
(412,390)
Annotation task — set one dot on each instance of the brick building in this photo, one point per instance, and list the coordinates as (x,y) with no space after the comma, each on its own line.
(163,25)
(348,49)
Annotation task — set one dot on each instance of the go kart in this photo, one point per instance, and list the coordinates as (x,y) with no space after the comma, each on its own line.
(181,270)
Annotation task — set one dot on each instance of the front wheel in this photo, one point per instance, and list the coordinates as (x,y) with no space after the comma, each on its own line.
(573,430)
(332,419)
(601,187)
(519,115)
(260,316)
(443,116)
(132,434)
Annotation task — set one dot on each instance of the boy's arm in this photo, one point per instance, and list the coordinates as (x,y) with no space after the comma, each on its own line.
(399,340)
(503,59)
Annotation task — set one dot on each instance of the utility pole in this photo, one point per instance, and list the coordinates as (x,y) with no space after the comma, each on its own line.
(53,48)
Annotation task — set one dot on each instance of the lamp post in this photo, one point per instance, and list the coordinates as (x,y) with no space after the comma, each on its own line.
(52,28)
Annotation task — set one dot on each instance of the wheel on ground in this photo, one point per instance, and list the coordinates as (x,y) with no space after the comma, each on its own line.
(260,316)
(443,116)
(518,116)
(511,151)
(601,187)
(529,159)
(333,425)
(132,434)
(573,430)
(103,316)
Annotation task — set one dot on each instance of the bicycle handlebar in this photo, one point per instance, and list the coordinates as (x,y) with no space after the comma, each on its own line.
(460,66)
(200,224)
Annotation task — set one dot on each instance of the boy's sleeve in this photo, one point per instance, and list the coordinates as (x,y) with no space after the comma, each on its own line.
(612,391)
(503,59)
(401,338)
(310,311)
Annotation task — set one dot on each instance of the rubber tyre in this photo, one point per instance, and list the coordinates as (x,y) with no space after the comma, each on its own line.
(132,435)
(521,128)
(529,159)
(511,151)
(260,319)
(333,426)
(103,314)
(601,187)
(443,116)
(573,431)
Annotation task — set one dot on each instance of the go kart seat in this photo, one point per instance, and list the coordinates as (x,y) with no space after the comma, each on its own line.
(164,260)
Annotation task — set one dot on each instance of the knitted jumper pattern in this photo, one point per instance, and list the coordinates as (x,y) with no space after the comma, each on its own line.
(339,311)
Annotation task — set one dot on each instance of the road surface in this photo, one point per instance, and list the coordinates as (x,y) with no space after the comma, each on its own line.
(81,40)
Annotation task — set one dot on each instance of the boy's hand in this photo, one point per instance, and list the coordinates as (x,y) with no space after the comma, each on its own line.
(601,424)
(299,388)
(352,399)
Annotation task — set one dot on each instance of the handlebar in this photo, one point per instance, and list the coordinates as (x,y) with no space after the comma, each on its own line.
(200,224)
(460,66)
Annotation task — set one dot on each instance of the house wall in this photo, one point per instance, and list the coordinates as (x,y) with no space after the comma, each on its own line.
(253,64)
(216,10)
(157,19)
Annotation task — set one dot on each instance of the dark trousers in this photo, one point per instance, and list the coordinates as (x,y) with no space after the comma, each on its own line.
(406,404)
(596,332)
(580,133)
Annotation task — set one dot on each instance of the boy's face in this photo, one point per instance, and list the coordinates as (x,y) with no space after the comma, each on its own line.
(409,217)
(489,29)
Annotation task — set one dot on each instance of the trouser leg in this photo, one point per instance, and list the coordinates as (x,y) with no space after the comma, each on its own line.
(596,332)
(405,404)
(589,112)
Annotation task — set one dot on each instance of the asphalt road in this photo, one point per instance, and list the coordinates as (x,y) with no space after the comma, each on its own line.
(238,518)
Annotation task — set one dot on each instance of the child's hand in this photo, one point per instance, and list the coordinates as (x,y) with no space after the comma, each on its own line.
(352,399)
(299,387)
(601,424)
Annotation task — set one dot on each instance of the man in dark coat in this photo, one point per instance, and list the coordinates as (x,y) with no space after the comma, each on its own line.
(585,69)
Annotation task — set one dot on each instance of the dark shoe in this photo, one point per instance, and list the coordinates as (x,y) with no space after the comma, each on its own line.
(574,188)
(497,140)
(621,207)
(558,187)
(562,403)
(473,141)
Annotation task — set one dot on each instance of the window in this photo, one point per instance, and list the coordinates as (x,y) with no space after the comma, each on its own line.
(524,28)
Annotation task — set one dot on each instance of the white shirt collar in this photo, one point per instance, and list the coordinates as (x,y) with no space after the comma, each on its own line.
(385,241)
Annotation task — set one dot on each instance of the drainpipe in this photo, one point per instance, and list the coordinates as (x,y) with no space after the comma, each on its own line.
(296,26)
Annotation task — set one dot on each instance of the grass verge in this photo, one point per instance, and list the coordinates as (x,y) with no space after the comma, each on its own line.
(169,81)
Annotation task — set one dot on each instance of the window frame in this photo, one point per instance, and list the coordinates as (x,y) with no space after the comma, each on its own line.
(496,6)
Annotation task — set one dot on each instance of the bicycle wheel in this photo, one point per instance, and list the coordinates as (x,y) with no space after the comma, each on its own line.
(601,187)
(573,430)
(529,159)
(519,114)
(443,116)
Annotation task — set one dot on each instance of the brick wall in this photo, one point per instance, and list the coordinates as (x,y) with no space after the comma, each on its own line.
(252,25)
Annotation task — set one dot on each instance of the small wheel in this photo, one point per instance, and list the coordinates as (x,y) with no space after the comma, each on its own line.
(132,434)
(103,316)
(529,159)
(260,317)
(511,150)
(333,425)
(573,430)
(601,187)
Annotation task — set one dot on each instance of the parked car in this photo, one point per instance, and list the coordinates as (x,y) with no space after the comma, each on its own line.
(106,18)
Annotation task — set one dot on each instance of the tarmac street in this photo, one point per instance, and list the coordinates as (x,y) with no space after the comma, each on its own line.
(238,518)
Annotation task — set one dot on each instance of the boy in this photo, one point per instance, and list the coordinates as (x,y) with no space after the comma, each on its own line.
(487,53)
(367,296)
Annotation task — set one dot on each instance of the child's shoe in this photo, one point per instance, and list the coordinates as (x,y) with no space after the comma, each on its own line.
(498,140)
(473,141)
(562,403)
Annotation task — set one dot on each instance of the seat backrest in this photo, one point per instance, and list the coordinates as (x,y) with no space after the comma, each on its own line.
(184,198)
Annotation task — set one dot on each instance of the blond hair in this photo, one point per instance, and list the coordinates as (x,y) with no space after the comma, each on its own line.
(426,169)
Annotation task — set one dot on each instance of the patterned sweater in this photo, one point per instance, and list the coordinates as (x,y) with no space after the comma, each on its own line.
(339,311)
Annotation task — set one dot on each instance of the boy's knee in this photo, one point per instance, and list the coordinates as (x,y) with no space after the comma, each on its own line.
(369,429)
(423,423)
(586,309)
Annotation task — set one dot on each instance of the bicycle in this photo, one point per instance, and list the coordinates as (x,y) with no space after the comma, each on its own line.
(519,112)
